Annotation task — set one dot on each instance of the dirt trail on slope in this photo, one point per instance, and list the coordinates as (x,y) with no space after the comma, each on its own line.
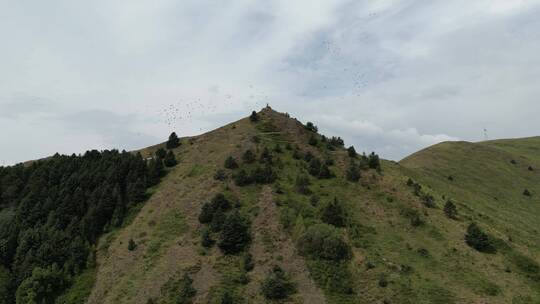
(272,246)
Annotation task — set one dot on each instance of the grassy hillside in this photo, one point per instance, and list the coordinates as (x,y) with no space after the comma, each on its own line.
(337,241)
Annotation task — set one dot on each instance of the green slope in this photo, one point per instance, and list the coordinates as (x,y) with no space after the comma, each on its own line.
(401,251)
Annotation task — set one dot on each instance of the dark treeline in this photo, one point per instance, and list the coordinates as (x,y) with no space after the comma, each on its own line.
(53,211)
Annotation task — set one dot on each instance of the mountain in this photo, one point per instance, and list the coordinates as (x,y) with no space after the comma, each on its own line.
(297,219)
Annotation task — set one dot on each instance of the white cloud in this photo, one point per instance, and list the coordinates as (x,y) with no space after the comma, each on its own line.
(390,75)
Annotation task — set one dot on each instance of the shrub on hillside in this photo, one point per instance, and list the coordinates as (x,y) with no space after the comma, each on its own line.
(173,142)
(220,175)
(322,241)
(206,238)
(313,140)
(235,234)
(170,159)
(277,285)
(478,240)
(450,210)
(428,200)
(254,117)
(242,178)
(161,153)
(526,192)
(353,172)
(311,127)
(374,161)
(314,167)
(131,245)
(334,214)
(263,175)
(218,202)
(230,163)
(248,157)
(302,184)
(266,156)
(351,151)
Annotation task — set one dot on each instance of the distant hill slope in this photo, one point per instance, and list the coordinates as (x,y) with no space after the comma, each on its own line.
(302,219)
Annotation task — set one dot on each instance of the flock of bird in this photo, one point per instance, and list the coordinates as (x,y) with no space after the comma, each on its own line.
(355,75)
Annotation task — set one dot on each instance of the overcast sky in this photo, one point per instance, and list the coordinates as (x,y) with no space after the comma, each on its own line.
(392,76)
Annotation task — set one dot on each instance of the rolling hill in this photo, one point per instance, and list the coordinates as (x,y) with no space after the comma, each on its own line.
(302,219)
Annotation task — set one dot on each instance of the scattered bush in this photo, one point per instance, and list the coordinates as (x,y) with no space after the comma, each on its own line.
(277,285)
(353,173)
(322,241)
(428,200)
(450,210)
(235,234)
(351,151)
(170,159)
(530,168)
(220,175)
(208,210)
(313,141)
(278,148)
(178,290)
(218,220)
(206,238)
(302,184)
(263,175)
(374,161)
(248,262)
(314,167)
(311,127)
(334,214)
(254,117)
(131,245)
(230,163)
(161,153)
(266,156)
(173,142)
(478,240)
(242,178)
(526,192)
(248,157)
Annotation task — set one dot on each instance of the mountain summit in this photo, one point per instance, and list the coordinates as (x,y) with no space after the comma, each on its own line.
(266,209)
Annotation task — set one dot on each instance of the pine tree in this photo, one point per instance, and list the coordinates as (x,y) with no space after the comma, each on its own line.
(173,142)
(334,214)
(314,167)
(450,210)
(353,172)
(248,157)
(477,239)
(234,235)
(254,117)
(277,285)
(351,151)
(230,163)
(311,127)
(170,159)
(374,162)
(160,153)
(131,245)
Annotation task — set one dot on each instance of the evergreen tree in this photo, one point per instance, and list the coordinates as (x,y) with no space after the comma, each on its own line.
(314,167)
(170,159)
(248,157)
(235,235)
(450,210)
(351,151)
(302,184)
(206,238)
(43,286)
(311,127)
(241,178)
(254,117)
(173,142)
(334,214)
(131,245)
(230,163)
(325,172)
(277,285)
(374,162)
(477,239)
(161,153)
(353,172)
(266,156)
(313,140)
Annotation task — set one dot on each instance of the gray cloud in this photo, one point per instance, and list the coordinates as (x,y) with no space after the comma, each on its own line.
(389,75)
